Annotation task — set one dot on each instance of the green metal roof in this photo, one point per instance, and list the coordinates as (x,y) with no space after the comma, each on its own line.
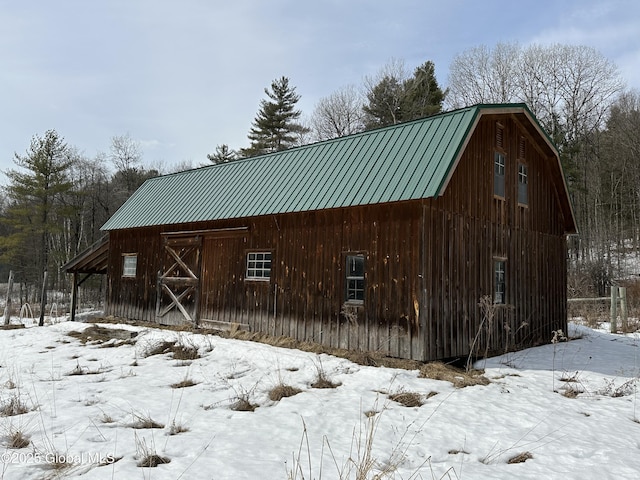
(407,161)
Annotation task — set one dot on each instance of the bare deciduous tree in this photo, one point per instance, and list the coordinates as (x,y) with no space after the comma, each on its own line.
(570,90)
(482,75)
(338,114)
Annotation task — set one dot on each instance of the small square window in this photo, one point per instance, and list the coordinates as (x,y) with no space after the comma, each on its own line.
(129,265)
(499,279)
(523,180)
(498,174)
(354,279)
(258,266)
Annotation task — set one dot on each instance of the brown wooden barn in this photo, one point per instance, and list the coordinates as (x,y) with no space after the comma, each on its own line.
(381,241)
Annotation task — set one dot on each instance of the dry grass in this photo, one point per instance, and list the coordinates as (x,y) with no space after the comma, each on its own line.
(18,439)
(243,404)
(408,399)
(459,377)
(281,391)
(79,370)
(185,352)
(106,418)
(177,428)
(144,421)
(105,337)
(520,458)
(180,351)
(187,382)
(159,348)
(571,391)
(153,460)
(14,405)
(457,452)
(147,456)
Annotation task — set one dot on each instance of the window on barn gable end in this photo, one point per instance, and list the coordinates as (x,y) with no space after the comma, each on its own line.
(258,266)
(354,278)
(499,165)
(523,180)
(129,265)
(499,286)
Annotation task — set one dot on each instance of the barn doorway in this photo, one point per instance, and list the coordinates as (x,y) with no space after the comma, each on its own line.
(179,280)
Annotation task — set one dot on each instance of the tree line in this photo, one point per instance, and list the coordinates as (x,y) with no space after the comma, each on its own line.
(56,199)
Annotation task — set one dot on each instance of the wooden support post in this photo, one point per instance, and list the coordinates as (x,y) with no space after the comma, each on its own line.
(614,308)
(7,305)
(74,296)
(43,299)
(623,309)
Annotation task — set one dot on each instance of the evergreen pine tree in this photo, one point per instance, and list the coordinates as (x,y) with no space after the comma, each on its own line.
(223,154)
(275,127)
(396,99)
(384,100)
(422,97)
(35,211)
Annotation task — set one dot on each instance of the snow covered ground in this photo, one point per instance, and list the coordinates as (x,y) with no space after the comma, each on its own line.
(82,403)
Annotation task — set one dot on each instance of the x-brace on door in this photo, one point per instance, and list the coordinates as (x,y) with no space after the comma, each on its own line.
(178,281)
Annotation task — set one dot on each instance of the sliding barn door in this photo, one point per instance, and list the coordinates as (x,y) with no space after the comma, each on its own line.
(179,280)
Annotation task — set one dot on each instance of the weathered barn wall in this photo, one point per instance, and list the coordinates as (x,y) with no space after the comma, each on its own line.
(427,263)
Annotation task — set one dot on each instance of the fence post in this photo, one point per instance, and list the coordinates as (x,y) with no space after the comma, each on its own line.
(43,299)
(614,307)
(623,309)
(7,306)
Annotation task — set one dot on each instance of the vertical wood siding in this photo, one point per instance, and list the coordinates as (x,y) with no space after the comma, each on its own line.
(427,264)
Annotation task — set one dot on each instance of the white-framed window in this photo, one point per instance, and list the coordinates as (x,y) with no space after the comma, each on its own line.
(258,266)
(129,265)
(523,180)
(354,278)
(498,174)
(499,288)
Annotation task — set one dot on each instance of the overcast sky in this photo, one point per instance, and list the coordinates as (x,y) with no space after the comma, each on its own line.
(183,76)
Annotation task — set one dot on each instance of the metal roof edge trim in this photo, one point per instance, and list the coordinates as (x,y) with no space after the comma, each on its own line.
(459,151)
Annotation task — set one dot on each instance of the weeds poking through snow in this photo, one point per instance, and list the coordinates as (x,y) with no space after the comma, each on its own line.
(458,377)
(147,456)
(176,428)
(158,348)
(611,390)
(322,380)
(105,337)
(187,382)
(488,310)
(144,421)
(281,391)
(408,399)
(17,439)
(558,336)
(185,349)
(361,463)
(520,458)
(243,404)
(14,405)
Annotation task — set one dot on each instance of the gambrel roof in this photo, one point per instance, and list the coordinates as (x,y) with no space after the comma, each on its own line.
(408,161)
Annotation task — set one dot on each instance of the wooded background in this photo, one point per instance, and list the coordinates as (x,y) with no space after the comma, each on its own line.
(56,198)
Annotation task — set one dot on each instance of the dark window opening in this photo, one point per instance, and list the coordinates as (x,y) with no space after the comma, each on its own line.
(498,174)
(523,180)
(499,287)
(354,278)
